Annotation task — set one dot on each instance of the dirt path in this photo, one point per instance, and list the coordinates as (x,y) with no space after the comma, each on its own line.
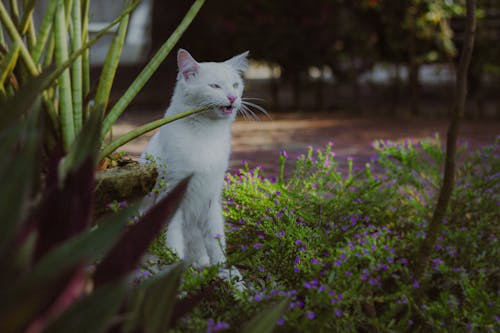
(259,143)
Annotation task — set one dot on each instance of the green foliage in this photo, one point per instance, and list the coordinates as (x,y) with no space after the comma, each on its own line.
(28,52)
(61,272)
(340,244)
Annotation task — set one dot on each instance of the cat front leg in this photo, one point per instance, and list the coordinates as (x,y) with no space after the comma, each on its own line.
(214,236)
(174,237)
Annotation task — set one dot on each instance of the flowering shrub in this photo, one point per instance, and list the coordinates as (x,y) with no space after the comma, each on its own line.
(340,245)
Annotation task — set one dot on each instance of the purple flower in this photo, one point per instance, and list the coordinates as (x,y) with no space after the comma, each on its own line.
(284,154)
(311,285)
(416,285)
(257,246)
(310,315)
(298,242)
(215,327)
(218,236)
(348,273)
(315,261)
(338,313)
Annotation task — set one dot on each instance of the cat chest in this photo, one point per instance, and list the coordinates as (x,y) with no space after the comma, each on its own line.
(197,152)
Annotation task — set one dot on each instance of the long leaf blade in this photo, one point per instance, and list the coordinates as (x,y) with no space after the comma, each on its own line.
(126,254)
(92,313)
(65,100)
(76,68)
(266,320)
(150,68)
(111,64)
(111,147)
(9,62)
(16,37)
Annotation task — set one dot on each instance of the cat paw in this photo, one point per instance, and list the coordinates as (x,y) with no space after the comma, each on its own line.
(233,276)
(201,262)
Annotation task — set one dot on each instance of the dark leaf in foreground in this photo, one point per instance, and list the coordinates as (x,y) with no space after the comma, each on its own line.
(134,242)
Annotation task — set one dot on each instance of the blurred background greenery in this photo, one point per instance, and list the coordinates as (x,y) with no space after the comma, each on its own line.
(367,57)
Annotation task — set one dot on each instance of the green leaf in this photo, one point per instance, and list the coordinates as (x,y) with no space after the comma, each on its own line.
(65,99)
(9,62)
(266,320)
(160,300)
(16,38)
(86,144)
(86,54)
(16,106)
(44,30)
(111,64)
(150,68)
(153,301)
(86,247)
(144,129)
(76,68)
(18,173)
(92,313)
(27,15)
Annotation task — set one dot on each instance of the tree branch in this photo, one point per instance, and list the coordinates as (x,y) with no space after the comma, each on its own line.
(436,224)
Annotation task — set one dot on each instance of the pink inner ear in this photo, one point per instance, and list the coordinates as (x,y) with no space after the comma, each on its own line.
(187,65)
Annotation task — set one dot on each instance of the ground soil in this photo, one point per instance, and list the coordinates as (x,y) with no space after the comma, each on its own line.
(260,142)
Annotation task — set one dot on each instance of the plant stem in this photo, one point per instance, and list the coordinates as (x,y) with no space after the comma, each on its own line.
(150,68)
(14,35)
(65,99)
(85,56)
(76,68)
(111,64)
(44,30)
(436,224)
(144,129)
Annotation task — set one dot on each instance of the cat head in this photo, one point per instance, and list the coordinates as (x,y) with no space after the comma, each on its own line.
(218,85)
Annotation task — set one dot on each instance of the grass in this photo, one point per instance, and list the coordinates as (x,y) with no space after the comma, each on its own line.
(340,245)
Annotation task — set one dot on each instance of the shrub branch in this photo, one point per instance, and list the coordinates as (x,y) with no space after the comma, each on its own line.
(458,107)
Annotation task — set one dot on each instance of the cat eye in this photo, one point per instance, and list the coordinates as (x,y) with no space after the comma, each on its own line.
(235,85)
(214,85)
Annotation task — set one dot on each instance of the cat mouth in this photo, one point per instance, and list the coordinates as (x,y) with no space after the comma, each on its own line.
(227,109)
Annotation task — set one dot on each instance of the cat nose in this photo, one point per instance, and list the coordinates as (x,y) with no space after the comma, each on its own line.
(231,98)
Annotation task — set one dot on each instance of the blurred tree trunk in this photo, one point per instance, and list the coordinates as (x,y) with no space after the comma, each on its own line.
(394,92)
(436,224)
(413,65)
(274,89)
(319,98)
(296,89)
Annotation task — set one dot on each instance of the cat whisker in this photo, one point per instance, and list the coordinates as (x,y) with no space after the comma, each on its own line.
(250,114)
(256,107)
(252,99)
(243,111)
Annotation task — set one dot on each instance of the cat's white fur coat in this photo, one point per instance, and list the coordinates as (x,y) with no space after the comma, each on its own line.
(199,146)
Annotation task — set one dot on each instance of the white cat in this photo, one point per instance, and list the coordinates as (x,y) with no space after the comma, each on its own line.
(199,145)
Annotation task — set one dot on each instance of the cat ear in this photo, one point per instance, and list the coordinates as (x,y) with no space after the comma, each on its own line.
(188,67)
(239,62)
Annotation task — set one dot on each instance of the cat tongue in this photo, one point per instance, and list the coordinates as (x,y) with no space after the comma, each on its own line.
(227,109)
